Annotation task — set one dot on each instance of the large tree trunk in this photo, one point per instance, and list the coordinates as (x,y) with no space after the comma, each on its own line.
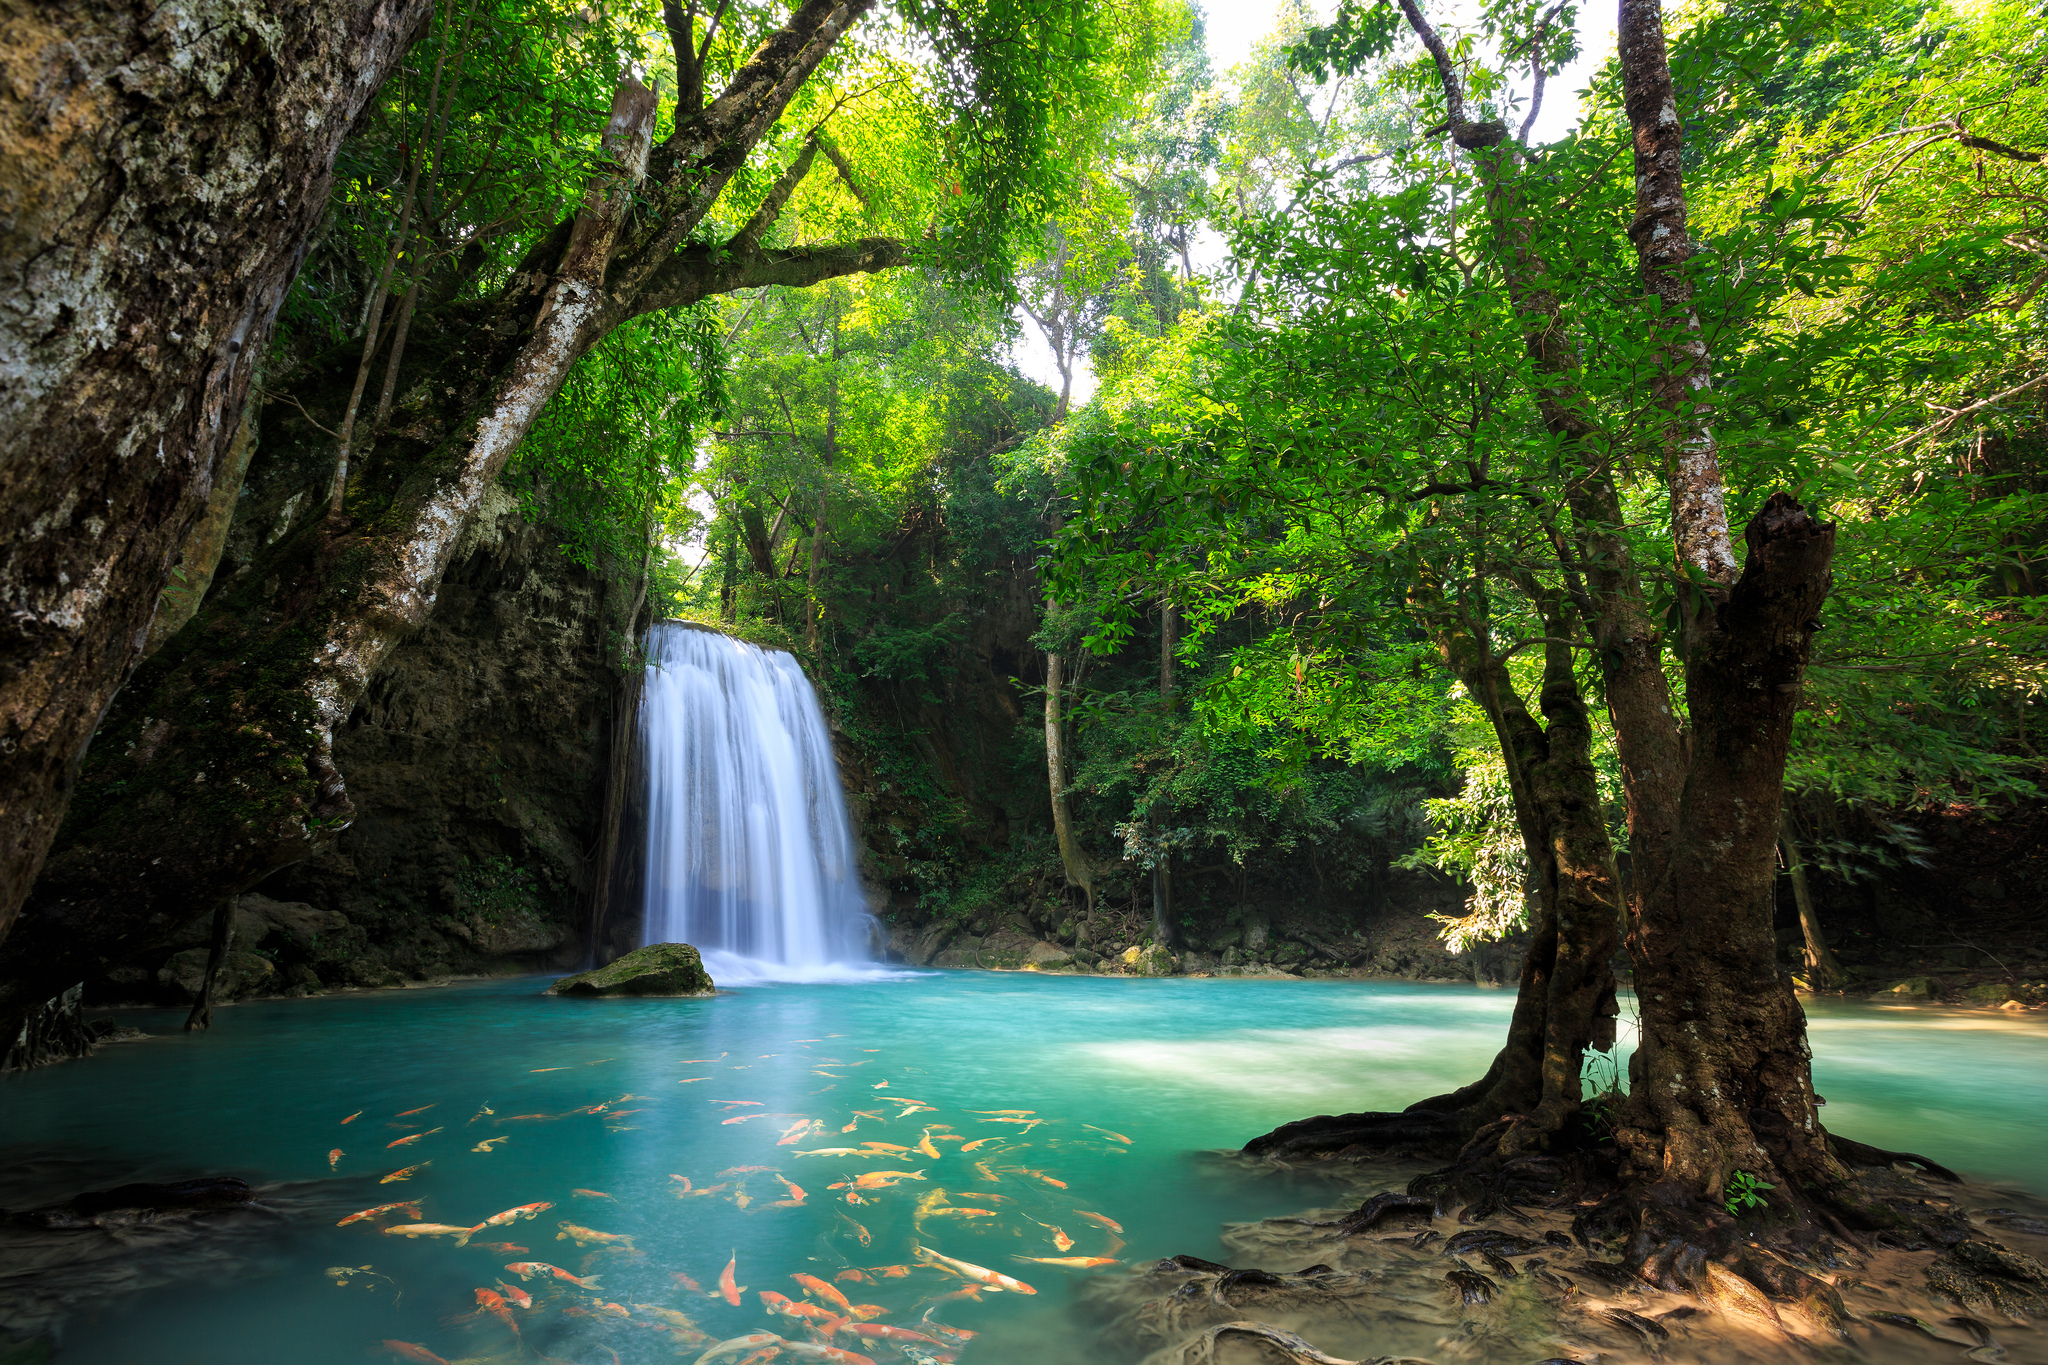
(1072,858)
(168,166)
(216,770)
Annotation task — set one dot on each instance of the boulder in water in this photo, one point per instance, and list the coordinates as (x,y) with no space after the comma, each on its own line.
(657,969)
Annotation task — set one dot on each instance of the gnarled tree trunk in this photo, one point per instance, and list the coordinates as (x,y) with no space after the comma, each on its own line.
(168,164)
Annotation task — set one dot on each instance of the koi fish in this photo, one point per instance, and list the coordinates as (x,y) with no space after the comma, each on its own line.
(889,1272)
(827,1353)
(615,1309)
(410,1112)
(924,1144)
(708,1189)
(796,1192)
(957,1334)
(742,1118)
(758,1104)
(592,1194)
(859,1232)
(879,1085)
(582,1236)
(948,1137)
(853,1275)
(526,1270)
(494,1304)
(878,1331)
(1059,1236)
(353,1117)
(882,1180)
(1114,1137)
(489,1144)
(1013,1112)
(966,1270)
(728,1283)
(1072,1262)
(516,1294)
(405,1173)
(986,1173)
(414,1137)
(405,1350)
(461,1235)
(981,1142)
(510,1216)
(822,1319)
(686,1282)
(693,1080)
(481,1111)
(827,1294)
(1041,1175)
(737,1345)
(971,1292)
(682,1321)
(962,1213)
(745,1170)
(1109,1223)
(334,1159)
(501,1248)
(411,1207)
(888,1147)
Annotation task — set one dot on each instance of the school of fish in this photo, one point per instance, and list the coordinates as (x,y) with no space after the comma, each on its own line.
(957,1190)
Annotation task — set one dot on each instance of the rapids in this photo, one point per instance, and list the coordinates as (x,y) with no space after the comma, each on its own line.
(619,1097)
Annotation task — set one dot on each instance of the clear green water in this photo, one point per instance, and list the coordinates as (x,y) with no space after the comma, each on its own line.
(1182,1068)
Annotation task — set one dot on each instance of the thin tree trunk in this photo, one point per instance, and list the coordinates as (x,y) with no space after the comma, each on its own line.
(1071,857)
(201,1017)
(146,307)
(1823,972)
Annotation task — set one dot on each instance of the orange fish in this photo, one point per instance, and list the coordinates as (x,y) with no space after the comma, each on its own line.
(745,1170)
(516,1294)
(708,1189)
(986,1173)
(742,1118)
(526,1270)
(879,1085)
(582,1236)
(1057,1184)
(972,1292)
(859,1232)
(593,1194)
(501,1248)
(889,1272)
(924,1144)
(353,1117)
(405,1173)
(410,1112)
(758,1104)
(412,1209)
(1116,1137)
(728,1284)
(494,1304)
(961,1213)
(1014,1112)
(1072,1262)
(981,1142)
(617,1310)
(1109,1223)
(686,1282)
(853,1275)
(824,1293)
(793,1132)
(876,1331)
(796,1192)
(405,1350)
(888,1147)
(509,1216)
(334,1158)
(413,1138)
(966,1270)
(738,1345)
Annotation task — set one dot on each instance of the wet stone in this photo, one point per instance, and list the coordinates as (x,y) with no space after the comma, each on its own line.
(658,969)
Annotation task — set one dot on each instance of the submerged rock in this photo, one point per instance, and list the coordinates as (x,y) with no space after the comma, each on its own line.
(657,969)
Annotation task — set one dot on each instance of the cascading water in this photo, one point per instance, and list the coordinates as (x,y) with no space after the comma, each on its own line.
(750,856)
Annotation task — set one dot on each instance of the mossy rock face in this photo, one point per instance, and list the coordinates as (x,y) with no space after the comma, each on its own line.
(657,969)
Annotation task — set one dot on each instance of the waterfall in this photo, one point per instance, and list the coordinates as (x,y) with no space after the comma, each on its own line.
(750,856)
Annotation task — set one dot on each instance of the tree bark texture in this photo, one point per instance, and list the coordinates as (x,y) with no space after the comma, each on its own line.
(166,166)
(1721,1081)
(1682,387)
(1823,971)
(217,769)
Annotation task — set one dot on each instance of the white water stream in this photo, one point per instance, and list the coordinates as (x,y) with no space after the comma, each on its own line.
(750,856)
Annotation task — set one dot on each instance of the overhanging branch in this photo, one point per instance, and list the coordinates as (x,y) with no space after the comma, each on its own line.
(699,272)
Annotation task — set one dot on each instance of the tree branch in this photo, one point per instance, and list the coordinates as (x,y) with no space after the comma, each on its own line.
(699,272)
(748,239)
